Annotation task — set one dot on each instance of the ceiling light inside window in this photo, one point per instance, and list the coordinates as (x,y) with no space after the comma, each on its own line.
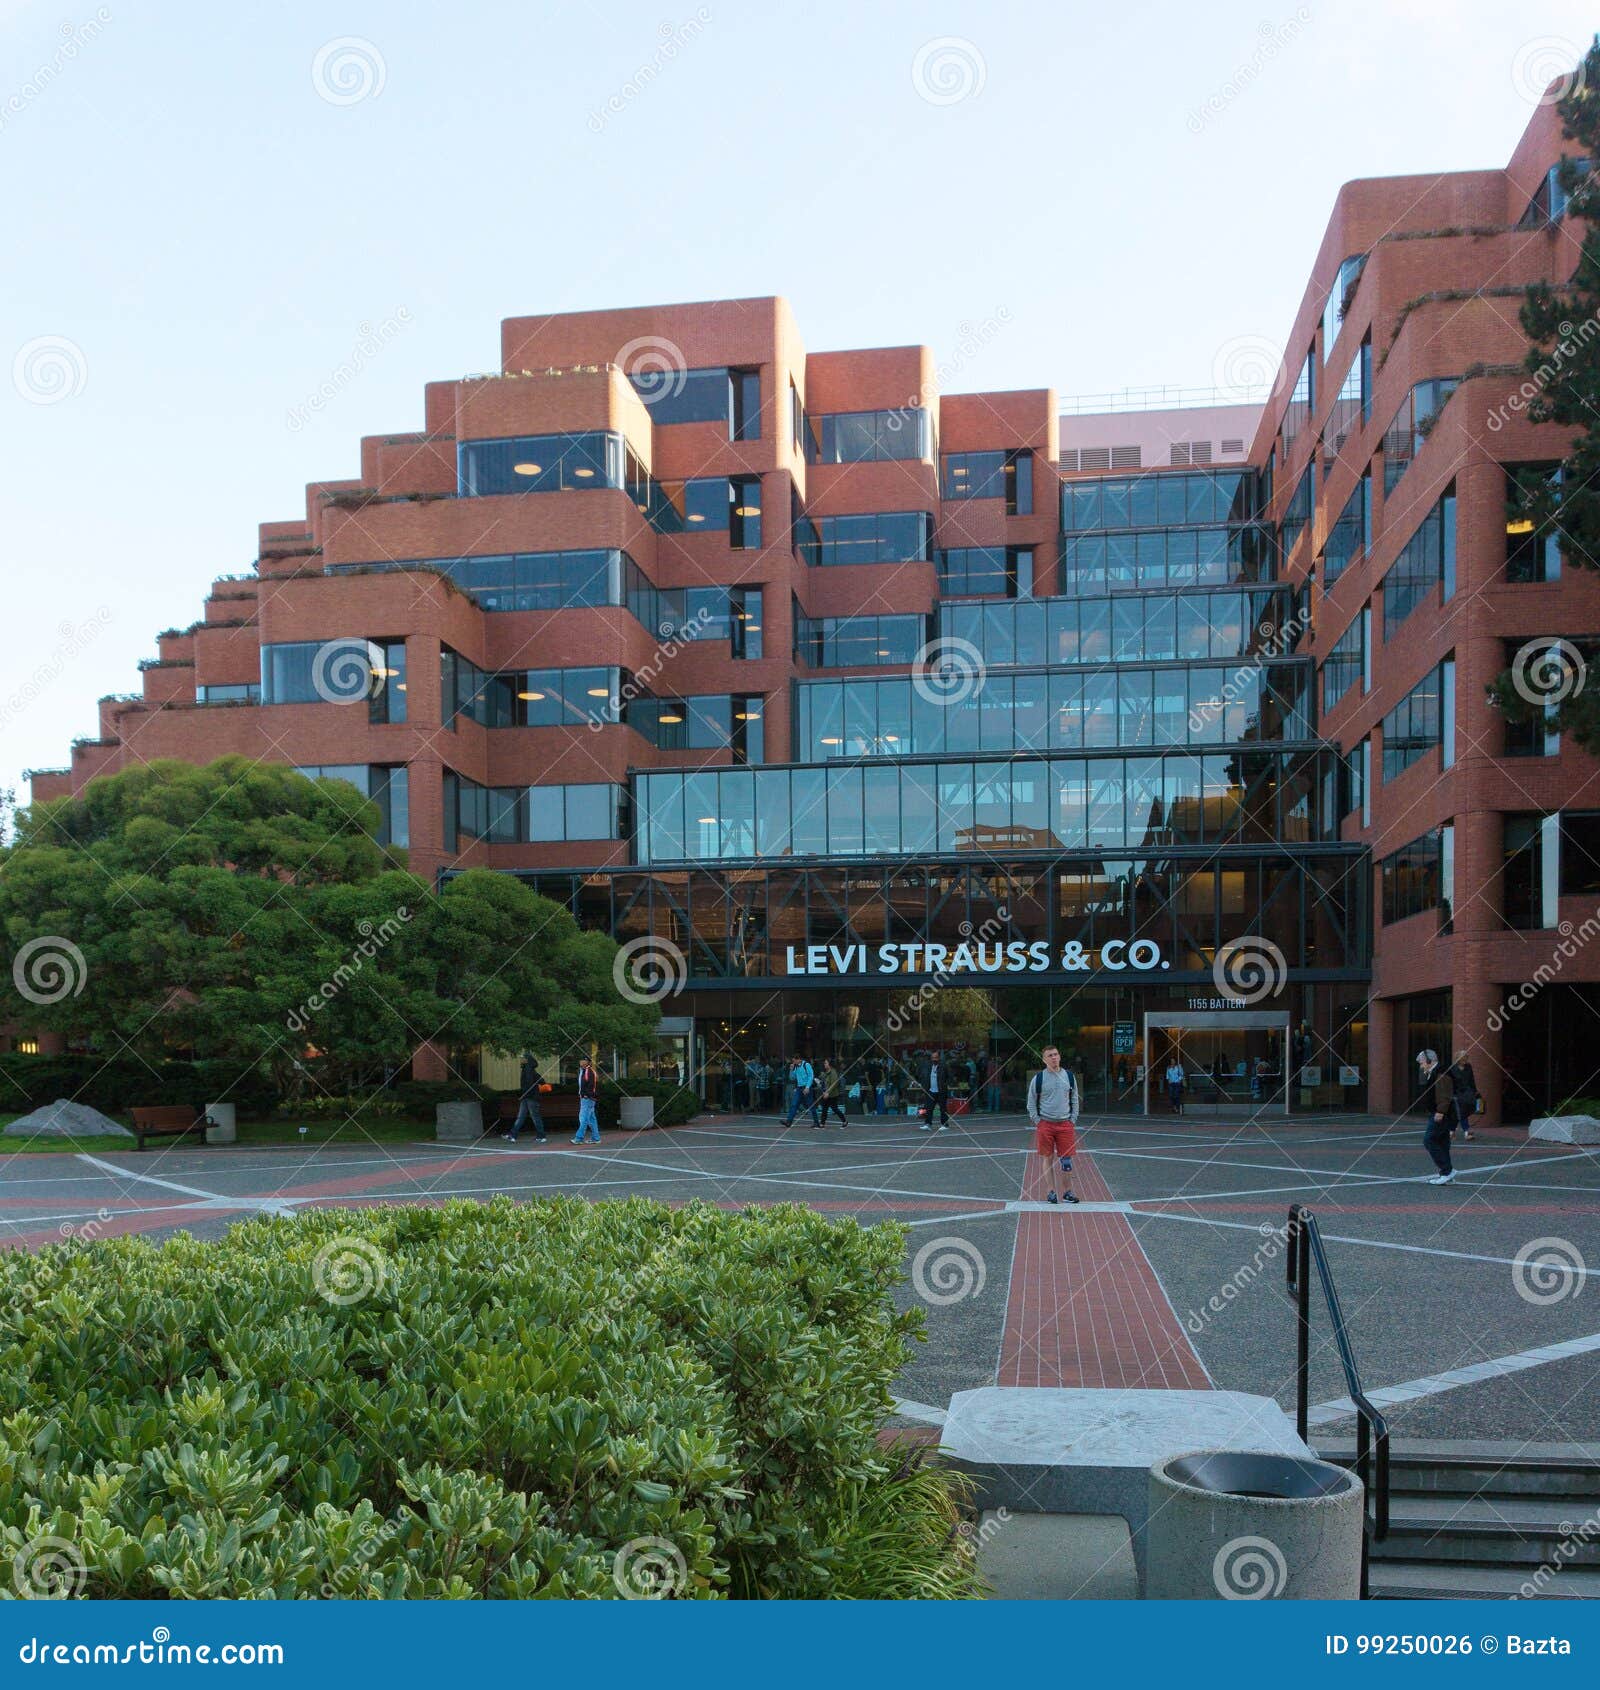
(526,469)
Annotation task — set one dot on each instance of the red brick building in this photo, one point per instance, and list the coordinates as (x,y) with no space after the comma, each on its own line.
(1196,677)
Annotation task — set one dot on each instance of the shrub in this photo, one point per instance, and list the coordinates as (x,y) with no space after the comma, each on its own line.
(118,1083)
(551,1399)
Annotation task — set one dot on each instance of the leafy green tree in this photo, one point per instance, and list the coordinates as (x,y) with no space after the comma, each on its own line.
(242,912)
(1562,323)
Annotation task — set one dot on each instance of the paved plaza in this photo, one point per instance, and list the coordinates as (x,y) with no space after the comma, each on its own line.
(1471,1306)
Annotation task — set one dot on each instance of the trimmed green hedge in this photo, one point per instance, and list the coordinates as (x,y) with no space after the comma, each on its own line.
(551,1399)
(119,1083)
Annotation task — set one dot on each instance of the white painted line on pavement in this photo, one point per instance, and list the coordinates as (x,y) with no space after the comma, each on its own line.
(209,1199)
(1323,1413)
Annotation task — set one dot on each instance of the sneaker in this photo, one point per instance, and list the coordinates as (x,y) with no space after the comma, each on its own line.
(1443,1179)
(926,1128)
(1071,1197)
(945,1128)
(1466,1132)
(1051,1198)
(541,1139)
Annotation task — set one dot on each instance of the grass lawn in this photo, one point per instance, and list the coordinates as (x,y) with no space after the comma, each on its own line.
(287,1131)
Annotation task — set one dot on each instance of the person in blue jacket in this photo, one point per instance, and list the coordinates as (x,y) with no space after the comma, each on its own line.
(802,1080)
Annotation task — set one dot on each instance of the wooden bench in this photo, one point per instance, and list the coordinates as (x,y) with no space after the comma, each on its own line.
(559,1108)
(167,1120)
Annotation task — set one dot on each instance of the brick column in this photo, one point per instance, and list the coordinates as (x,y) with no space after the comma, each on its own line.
(1380,1058)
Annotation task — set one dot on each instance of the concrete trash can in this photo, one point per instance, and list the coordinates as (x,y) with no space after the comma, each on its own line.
(636,1112)
(1234,1525)
(458,1123)
(223,1122)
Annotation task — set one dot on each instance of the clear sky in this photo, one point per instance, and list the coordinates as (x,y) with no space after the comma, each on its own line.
(211,207)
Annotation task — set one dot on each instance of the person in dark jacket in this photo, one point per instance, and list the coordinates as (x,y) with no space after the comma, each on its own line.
(528,1109)
(936,1083)
(1439,1101)
(588,1102)
(828,1093)
(1466,1092)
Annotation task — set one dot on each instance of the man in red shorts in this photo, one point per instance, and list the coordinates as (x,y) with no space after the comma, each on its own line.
(1053,1108)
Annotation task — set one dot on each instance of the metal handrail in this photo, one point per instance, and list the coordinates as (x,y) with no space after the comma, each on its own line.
(1304,1239)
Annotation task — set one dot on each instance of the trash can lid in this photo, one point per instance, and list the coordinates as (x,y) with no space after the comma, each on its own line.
(1251,1473)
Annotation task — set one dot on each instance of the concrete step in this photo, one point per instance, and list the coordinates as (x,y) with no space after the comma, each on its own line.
(1445,1580)
(1479,1467)
(1485,1542)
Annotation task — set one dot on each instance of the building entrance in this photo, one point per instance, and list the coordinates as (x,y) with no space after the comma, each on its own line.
(1231,1060)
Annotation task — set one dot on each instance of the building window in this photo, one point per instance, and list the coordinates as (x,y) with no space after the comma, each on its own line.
(993,571)
(1004,475)
(744,622)
(858,437)
(875,537)
(1413,879)
(1161,501)
(846,642)
(387,785)
(1340,296)
(539,463)
(1414,726)
(1345,664)
(1529,875)
(1551,198)
(1427,560)
(387,700)
(1412,424)
(529,698)
(1536,734)
(744,513)
(1344,419)
(734,723)
(1533,538)
(693,614)
(797,419)
(244,692)
(1303,401)
(1350,536)
(337,671)
(744,404)
(526,815)
(1169,557)
(1580,853)
(1297,515)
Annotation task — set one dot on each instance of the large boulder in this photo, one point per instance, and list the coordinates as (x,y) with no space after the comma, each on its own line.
(66,1119)
(1566,1129)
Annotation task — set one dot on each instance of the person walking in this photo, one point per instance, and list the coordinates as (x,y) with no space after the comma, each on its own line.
(588,1102)
(1439,1100)
(1465,1086)
(801,1079)
(528,1109)
(828,1095)
(1175,1086)
(1053,1104)
(936,1083)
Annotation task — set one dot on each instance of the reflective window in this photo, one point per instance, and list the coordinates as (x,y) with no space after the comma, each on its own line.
(1427,560)
(539,463)
(1555,192)
(523,815)
(875,537)
(1351,534)
(711,722)
(387,785)
(1413,422)
(1004,475)
(844,642)
(1533,535)
(344,670)
(246,692)
(1412,878)
(1339,300)
(855,437)
(1149,501)
(1414,726)
(1346,663)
